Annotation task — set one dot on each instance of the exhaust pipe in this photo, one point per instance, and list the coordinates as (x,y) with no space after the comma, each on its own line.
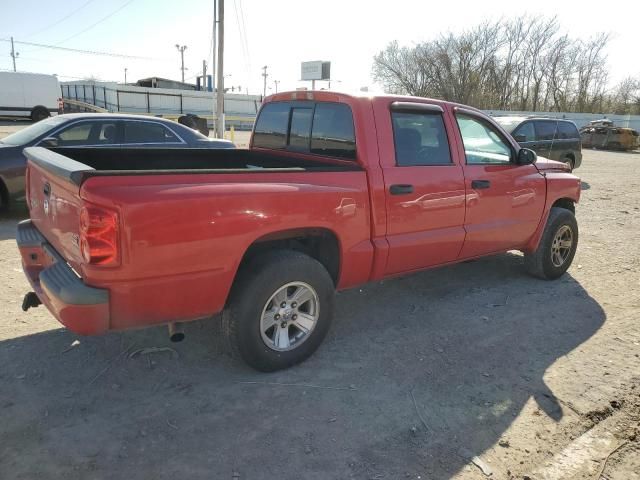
(30,300)
(176,332)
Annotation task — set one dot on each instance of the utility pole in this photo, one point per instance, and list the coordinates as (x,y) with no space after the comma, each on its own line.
(125,75)
(213,68)
(265,75)
(181,49)
(204,75)
(220,93)
(14,55)
(276,83)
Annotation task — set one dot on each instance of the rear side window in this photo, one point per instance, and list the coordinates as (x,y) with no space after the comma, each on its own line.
(332,133)
(545,129)
(567,130)
(272,125)
(420,139)
(321,128)
(147,132)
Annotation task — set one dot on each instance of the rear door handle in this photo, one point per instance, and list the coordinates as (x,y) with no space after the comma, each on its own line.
(480,184)
(401,189)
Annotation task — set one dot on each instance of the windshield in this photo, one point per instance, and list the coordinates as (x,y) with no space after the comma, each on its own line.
(32,132)
(509,124)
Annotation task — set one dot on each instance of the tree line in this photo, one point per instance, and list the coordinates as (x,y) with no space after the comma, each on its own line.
(527,63)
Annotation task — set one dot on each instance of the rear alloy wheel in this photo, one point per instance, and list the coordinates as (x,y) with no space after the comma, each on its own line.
(557,246)
(289,316)
(279,310)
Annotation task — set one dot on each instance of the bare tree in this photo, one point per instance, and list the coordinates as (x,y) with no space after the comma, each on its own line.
(525,63)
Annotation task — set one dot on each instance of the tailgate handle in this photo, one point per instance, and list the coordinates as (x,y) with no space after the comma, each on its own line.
(46,189)
(401,189)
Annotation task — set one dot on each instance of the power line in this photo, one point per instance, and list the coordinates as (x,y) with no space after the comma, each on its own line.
(243,37)
(97,23)
(244,28)
(49,27)
(78,50)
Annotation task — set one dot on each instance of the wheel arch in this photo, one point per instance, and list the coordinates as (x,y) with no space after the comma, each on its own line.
(566,203)
(319,243)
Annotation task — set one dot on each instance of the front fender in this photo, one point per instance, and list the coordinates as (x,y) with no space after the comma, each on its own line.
(561,188)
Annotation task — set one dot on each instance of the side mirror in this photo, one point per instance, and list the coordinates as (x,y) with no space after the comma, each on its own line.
(520,138)
(526,157)
(49,142)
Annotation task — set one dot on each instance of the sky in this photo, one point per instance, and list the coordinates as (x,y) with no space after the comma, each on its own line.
(277,33)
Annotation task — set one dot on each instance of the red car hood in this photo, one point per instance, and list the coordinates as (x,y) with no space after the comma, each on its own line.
(546,165)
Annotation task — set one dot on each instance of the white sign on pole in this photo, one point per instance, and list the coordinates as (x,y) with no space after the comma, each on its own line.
(317,70)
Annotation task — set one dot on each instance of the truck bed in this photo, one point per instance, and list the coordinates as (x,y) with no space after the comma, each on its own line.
(80,163)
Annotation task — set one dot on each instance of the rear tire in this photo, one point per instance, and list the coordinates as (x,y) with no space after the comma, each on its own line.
(557,246)
(39,113)
(4,198)
(262,320)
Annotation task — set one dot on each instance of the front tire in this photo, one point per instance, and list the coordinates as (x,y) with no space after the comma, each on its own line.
(569,161)
(279,310)
(39,113)
(557,246)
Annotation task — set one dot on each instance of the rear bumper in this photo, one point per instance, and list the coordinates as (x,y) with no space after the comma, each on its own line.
(79,307)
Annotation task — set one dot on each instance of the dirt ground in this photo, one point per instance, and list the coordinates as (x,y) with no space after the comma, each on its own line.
(461,372)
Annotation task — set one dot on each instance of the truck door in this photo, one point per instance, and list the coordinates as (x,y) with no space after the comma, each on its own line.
(424,187)
(504,200)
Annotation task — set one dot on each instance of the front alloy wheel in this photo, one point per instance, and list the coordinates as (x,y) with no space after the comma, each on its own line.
(561,246)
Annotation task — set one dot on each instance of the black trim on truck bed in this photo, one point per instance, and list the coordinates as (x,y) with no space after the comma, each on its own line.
(57,164)
(77,164)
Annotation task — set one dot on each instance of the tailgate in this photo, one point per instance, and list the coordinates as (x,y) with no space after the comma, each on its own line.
(54,200)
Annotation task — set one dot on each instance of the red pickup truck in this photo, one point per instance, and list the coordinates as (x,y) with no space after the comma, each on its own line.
(335,191)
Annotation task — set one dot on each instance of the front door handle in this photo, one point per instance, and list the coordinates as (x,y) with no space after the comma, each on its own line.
(401,189)
(480,184)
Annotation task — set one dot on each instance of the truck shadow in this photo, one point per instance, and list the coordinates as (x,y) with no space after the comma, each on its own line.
(469,343)
(9,222)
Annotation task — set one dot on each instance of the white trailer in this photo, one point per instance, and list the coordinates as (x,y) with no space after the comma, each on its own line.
(32,95)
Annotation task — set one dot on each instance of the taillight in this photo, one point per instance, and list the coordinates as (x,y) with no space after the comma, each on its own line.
(99,236)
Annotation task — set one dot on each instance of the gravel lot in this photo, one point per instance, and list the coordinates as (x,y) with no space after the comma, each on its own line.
(417,377)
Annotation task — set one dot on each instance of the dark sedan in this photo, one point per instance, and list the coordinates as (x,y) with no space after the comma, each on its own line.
(100,130)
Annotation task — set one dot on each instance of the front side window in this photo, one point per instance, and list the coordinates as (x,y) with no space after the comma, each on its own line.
(147,132)
(75,135)
(420,139)
(107,133)
(482,143)
(545,130)
(525,133)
